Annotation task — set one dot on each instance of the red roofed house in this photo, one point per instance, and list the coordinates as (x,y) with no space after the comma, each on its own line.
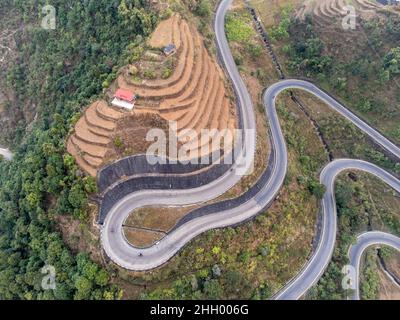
(124,99)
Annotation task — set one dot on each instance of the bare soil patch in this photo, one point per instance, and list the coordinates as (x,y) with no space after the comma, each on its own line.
(157,218)
(388,290)
(141,238)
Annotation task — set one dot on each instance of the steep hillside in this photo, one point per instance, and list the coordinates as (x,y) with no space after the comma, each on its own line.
(55,72)
(187,87)
(359,65)
(11,27)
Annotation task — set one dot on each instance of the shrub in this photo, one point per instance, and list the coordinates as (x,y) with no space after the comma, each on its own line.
(316,188)
(166,73)
(282,30)
(118,142)
(239,28)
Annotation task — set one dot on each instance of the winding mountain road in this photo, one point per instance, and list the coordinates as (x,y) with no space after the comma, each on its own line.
(319,261)
(125,255)
(364,241)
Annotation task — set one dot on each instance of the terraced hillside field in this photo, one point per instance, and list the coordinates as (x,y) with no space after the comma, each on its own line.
(326,11)
(193,94)
(90,143)
(105,133)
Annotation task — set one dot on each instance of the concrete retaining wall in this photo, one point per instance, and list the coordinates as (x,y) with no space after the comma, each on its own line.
(180,182)
(138,165)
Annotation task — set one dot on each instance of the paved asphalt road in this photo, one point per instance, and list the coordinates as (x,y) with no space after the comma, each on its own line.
(6,153)
(125,255)
(113,241)
(322,256)
(364,241)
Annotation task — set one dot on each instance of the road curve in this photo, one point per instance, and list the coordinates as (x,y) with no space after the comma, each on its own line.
(129,257)
(112,238)
(6,154)
(322,255)
(364,241)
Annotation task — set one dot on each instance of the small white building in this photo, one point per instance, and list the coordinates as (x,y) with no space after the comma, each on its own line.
(124,99)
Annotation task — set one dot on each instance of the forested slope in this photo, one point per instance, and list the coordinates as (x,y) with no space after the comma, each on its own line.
(55,73)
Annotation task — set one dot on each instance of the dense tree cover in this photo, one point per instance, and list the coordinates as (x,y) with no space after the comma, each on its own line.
(307,54)
(212,283)
(58,71)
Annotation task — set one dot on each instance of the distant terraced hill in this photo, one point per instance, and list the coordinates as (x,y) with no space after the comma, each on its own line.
(326,11)
(193,94)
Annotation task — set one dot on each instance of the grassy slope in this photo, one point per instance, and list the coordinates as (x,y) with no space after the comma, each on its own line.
(366,208)
(357,59)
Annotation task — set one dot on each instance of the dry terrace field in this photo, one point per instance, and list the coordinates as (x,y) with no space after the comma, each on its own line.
(191,91)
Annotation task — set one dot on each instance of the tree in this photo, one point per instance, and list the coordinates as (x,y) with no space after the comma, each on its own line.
(212,289)
(102,278)
(255,50)
(77,196)
(365,105)
(203,8)
(391,61)
(59,73)
(384,76)
(90,184)
(83,287)
(282,30)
